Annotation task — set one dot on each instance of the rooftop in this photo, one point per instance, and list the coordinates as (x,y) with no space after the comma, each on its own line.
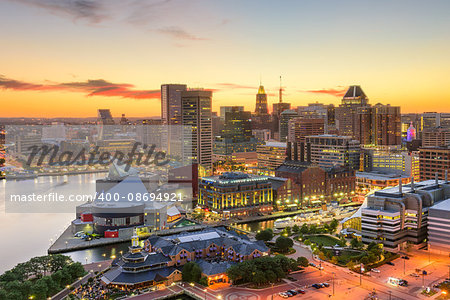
(442,205)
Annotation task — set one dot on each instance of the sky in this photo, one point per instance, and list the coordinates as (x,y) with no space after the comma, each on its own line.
(68,58)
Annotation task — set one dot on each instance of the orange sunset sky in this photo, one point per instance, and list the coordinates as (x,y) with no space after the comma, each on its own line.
(69,58)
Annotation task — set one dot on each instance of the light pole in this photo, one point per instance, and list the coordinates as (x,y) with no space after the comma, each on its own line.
(332,278)
(360,273)
(272,290)
(205,293)
(390,295)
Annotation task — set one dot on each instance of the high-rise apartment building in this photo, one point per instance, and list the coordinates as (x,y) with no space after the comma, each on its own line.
(236,135)
(319,111)
(434,160)
(300,128)
(332,150)
(436,137)
(378,125)
(346,113)
(197,128)
(285,118)
(225,109)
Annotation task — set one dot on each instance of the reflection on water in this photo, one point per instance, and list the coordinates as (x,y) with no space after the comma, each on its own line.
(99,253)
(256,226)
(25,235)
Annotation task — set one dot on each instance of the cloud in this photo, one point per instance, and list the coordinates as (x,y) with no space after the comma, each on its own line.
(337,92)
(91,11)
(179,33)
(97,87)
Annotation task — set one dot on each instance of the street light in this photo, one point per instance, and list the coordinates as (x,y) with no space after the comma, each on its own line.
(205,293)
(332,278)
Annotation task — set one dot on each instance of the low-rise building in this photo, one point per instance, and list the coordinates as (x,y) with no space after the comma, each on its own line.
(235,194)
(439,227)
(398,216)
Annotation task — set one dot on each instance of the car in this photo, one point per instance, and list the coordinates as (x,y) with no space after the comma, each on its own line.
(312,264)
(390,263)
(289,294)
(316,285)
(325,284)
(403,282)
(301,291)
(283,295)
(405,257)
(375,270)
(292,292)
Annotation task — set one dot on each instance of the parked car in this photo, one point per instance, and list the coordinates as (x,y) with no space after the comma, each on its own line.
(390,263)
(325,284)
(289,294)
(293,292)
(301,291)
(405,257)
(316,285)
(283,295)
(414,275)
(375,270)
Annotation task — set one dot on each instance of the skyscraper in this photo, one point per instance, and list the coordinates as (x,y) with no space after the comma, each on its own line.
(378,125)
(346,113)
(197,128)
(105,122)
(171,103)
(300,128)
(171,130)
(261,102)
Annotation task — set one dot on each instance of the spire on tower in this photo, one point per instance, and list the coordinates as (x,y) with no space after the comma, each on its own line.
(281,92)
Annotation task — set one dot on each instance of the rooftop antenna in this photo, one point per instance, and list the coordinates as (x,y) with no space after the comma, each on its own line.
(281,91)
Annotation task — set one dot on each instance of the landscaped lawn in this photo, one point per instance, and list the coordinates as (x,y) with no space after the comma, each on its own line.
(325,240)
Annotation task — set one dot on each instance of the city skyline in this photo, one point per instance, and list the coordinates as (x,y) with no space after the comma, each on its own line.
(71,58)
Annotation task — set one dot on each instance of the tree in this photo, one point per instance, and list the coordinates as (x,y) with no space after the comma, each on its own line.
(2,161)
(264,235)
(334,260)
(302,261)
(284,243)
(354,243)
(296,229)
(191,272)
(333,225)
(342,242)
(304,229)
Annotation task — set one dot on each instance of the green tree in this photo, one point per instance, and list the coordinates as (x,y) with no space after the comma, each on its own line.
(284,243)
(355,244)
(191,272)
(333,225)
(264,235)
(304,229)
(302,261)
(296,229)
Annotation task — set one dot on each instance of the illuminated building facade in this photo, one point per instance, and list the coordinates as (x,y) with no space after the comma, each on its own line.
(331,150)
(399,215)
(378,125)
(434,160)
(436,137)
(346,113)
(234,194)
(196,114)
(300,128)
(270,156)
